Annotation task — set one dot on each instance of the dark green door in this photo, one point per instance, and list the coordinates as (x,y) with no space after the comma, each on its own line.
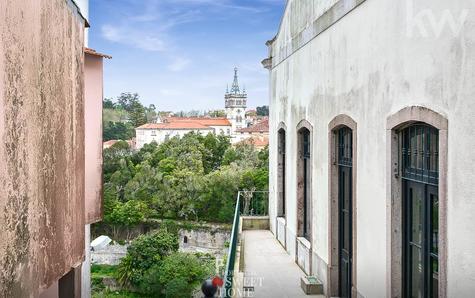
(419,151)
(345,209)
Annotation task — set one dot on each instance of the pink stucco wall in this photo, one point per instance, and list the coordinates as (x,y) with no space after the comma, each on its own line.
(42,144)
(93,115)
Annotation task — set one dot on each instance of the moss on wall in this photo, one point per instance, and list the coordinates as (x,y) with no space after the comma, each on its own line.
(42,148)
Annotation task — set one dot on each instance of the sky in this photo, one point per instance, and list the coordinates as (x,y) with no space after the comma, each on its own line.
(180,54)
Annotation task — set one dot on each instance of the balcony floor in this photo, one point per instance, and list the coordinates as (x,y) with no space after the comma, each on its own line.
(269,268)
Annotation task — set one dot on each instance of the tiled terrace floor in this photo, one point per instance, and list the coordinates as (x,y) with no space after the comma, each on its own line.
(269,268)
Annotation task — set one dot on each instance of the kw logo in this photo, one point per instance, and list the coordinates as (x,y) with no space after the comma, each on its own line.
(429,25)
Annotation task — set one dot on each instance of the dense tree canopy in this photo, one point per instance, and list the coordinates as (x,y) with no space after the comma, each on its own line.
(120,118)
(192,178)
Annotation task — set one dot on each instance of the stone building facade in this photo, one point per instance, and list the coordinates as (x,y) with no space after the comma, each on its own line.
(371,175)
(235,105)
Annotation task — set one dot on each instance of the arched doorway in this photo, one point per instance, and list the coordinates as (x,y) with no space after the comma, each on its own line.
(342,207)
(345,209)
(304,185)
(419,153)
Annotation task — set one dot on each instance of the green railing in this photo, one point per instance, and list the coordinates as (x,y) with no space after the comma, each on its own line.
(249,203)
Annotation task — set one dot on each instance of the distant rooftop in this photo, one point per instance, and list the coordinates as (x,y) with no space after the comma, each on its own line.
(262,126)
(206,121)
(94,53)
(175,126)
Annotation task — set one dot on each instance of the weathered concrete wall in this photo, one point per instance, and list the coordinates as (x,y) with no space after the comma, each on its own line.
(374,61)
(255,223)
(110,255)
(211,241)
(93,80)
(42,144)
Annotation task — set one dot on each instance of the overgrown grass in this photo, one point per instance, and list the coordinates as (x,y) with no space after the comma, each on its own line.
(115,294)
(98,273)
(103,270)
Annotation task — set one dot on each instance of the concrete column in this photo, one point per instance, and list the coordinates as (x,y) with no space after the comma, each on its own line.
(86,266)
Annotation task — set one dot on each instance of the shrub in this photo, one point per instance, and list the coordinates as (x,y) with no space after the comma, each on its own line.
(177,275)
(145,252)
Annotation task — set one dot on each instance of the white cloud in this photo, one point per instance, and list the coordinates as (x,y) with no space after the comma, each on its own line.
(148,41)
(179,64)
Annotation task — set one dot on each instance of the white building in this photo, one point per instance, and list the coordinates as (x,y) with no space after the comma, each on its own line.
(258,130)
(177,126)
(236,104)
(372,113)
(231,125)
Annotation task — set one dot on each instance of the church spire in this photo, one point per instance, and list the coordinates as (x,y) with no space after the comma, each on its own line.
(235,87)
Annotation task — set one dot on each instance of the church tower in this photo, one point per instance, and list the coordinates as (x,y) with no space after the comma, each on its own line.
(235,104)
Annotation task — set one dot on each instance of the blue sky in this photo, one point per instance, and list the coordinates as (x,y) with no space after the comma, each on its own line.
(180,54)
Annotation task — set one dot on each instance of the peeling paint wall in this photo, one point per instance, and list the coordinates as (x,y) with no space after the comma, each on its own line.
(377,59)
(42,147)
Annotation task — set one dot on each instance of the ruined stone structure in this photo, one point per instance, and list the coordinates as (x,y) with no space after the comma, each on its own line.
(43,148)
(212,240)
(371,174)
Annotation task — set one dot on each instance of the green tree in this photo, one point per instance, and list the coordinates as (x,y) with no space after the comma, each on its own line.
(179,274)
(218,200)
(217,113)
(117,131)
(137,114)
(151,113)
(126,100)
(145,252)
(113,157)
(107,103)
(214,148)
(243,154)
(262,111)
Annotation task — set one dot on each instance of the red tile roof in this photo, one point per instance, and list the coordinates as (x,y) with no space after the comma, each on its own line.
(262,126)
(258,142)
(200,120)
(175,126)
(93,52)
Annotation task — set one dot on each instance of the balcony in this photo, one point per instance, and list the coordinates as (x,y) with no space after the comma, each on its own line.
(257,264)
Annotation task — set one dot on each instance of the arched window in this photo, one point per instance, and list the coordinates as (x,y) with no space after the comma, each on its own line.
(281,173)
(419,153)
(418,199)
(344,139)
(304,184)
(342,201)
(185,240)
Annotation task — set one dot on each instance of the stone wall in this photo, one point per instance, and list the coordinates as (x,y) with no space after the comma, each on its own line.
(42,144)
(110,255)
(203,240)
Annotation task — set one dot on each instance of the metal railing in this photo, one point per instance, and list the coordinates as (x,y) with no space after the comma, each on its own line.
(254,203)
(249,203)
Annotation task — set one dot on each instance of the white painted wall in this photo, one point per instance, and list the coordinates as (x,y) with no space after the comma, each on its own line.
(147,136)
(368,66)
(226,130)
(232,115)
(83,6)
